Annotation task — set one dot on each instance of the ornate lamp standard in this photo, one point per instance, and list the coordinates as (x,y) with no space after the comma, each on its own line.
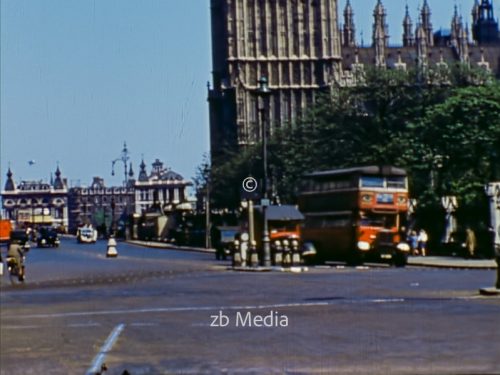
(263,92)
(124,159)
(113,226)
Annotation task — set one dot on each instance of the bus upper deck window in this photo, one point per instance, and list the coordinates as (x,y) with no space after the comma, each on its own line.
(396,182)
(371,181)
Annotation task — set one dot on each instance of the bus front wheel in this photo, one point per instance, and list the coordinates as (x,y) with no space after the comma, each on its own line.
(400,260)
(355,259)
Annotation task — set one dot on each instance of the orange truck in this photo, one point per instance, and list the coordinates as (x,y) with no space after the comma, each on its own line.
(5,229)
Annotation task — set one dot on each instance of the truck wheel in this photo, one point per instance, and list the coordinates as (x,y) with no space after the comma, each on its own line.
(400,260)
(355,259)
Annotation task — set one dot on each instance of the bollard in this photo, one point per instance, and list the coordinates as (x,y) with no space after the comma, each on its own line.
(254,256)
(296,261)
(287,256)
(111,251)
(277,253)
(236,254)
(244,247)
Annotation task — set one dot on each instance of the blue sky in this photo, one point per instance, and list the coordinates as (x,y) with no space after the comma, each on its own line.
(80,77)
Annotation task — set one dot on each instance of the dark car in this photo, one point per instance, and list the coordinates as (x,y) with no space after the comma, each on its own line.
(48,237)
(222,240)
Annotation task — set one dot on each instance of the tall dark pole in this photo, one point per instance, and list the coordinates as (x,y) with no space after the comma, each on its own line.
(263,93)
(113,228)
(208,237)
(124,159)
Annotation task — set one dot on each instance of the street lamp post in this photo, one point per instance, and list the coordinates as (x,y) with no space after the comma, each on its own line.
(263,93)
(124,159)
(113,229)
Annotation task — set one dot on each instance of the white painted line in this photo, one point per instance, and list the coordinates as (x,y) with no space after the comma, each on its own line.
(143,324)
(166,310)
(33,326)
(22,327)
(387,300)
(108,344)
(77,325)
(216,308)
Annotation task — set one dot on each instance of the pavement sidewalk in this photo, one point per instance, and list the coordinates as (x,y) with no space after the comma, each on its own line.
(163,245)
(451,262)
(419,261)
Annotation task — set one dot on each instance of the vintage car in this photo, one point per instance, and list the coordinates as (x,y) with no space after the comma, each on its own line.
(223,239)
(47,237)
(86,235)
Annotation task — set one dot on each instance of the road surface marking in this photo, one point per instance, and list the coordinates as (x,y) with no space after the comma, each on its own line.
(143,324)
(167,309)
(108,344)
(77,325)
(217,308)
(23,327)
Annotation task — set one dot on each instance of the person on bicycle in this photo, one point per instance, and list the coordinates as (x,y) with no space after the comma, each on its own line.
(16,251)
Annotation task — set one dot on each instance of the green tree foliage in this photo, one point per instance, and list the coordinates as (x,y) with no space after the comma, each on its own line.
(447,135)
(460,140)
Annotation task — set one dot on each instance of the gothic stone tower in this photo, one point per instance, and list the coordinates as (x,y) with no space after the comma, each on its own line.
(295,43)
(484,27)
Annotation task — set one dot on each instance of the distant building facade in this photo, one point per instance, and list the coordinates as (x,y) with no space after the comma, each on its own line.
(161,188)
(421,48)
(302,48)
(295,44)
(105,208)
(36,203)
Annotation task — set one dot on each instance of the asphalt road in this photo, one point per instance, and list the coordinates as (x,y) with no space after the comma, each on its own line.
(150,311)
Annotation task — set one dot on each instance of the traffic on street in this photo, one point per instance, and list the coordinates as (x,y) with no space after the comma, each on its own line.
(159,311)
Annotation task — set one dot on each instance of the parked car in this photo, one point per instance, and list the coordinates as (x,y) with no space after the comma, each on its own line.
(48,237)
(86,235)
(223,239)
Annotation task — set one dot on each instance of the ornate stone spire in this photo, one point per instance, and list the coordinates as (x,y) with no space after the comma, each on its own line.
(9,184)
(349,32)
(475,12)
(58,182)
(380,34)
(143,176)
(456,25)
(463,46)
(426,23)
(485,27)
(408,39)
(421,44)
(130,171)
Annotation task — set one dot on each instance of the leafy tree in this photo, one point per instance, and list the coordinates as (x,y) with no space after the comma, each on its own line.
(444,130)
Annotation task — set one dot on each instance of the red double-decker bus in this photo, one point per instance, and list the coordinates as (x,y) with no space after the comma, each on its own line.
(356,214)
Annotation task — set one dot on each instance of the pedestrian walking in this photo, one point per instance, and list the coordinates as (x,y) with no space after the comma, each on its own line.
(470,242)
(422,240)
(412,240)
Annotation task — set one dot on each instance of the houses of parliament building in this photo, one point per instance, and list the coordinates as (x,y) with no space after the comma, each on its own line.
(303,48)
